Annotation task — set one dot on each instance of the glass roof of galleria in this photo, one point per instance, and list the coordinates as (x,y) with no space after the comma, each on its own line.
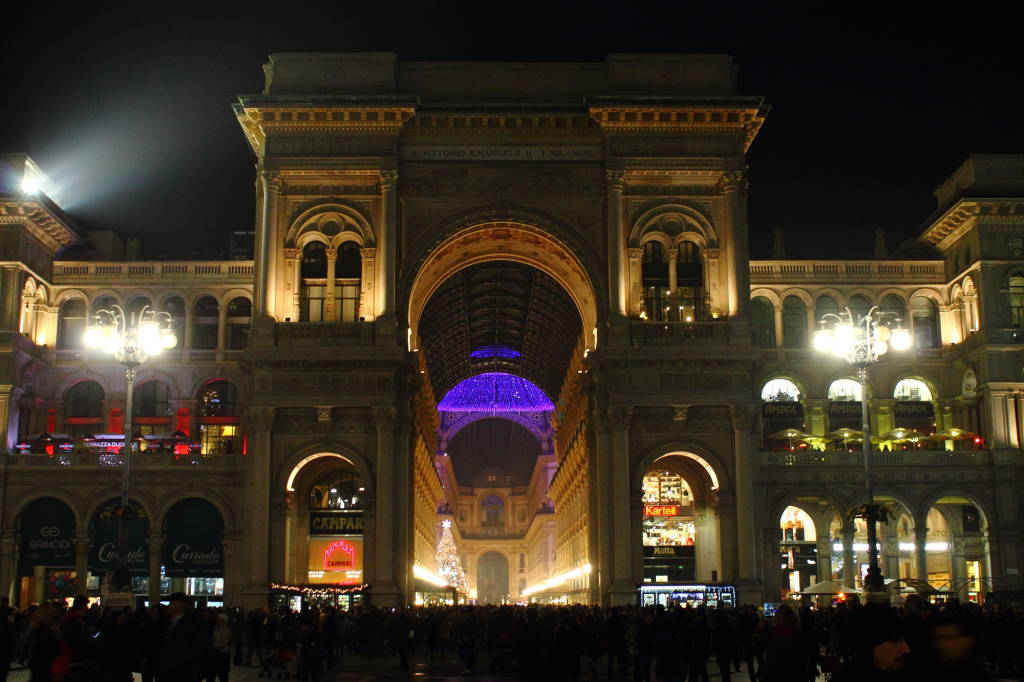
(495,392)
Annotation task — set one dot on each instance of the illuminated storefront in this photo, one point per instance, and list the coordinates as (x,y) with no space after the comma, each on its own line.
(669,533)
(335,547)
(798,551)
(688,595)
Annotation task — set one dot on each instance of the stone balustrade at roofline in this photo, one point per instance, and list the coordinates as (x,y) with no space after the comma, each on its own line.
(845,271)
(83,272)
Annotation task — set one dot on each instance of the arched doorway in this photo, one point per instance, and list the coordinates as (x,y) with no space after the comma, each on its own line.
(103,555)
(324,546)
(193,550)
(956,557)
(680,533)
(46,554)
(492,578)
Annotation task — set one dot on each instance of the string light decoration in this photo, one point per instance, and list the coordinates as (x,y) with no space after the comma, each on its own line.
(495,351)
(495,392)
(320,591)
(449,565)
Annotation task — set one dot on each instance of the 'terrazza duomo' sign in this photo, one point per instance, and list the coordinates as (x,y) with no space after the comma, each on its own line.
(500,152)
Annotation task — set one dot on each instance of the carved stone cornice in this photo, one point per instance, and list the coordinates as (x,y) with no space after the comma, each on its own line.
(638,253)
(40,221)
(710,254)
(258,122)
(965,213)
(737,119)
(290,253)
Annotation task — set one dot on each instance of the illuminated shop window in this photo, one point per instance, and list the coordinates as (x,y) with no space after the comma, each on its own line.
(337,490)
(780,390)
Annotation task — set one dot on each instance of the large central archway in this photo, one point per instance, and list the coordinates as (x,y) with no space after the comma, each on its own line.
(513,241)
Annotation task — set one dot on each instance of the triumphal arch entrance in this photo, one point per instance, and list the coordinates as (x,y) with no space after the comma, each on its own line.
(499,350)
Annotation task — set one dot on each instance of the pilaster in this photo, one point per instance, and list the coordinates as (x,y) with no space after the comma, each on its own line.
(258,422)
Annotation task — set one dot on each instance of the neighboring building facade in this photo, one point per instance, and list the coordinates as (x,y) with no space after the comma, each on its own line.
(517,297)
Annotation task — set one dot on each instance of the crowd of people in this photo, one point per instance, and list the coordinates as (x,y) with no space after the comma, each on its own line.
(846,642)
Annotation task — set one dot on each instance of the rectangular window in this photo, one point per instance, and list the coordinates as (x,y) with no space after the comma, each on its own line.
(218,439)
(346,300)
(312,303)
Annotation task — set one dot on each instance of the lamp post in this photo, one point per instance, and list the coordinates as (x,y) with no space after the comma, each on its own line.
(861,342)
(131,339)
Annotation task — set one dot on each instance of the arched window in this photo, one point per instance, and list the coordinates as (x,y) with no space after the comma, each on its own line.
(218,418)
(913,390)
(780,390)
(314,282)
(971,321)
(83,409)
(349,264)
(794,322)
(1015,290)
(492,512)
(175,307)
(347,270)
(151,408)
(925,321)
(136,305)
(825,305)
(654,271)
(239,320)
(71,323)
(204,323)
(690,282)
(859,306)
(844,390)
(894,309)
(762,321)
(103,303)
(339,490)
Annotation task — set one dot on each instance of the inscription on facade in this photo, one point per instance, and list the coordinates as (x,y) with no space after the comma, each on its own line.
(500,152)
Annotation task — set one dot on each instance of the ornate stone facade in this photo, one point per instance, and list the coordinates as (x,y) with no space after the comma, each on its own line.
(624,183)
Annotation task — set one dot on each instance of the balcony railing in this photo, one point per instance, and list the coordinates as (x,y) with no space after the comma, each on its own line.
(105,460)
(167,357)
(804,355)
(816,458)
(68,272)
(705,333)
(765,272)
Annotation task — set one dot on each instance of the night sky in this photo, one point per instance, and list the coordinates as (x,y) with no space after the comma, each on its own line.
(128,109)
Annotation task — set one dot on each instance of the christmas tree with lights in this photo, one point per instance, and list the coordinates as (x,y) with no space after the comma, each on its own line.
(449,566)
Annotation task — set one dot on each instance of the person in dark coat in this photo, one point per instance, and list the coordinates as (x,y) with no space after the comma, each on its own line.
(151,638)
(182,644)
(722,643)
(43,644)
(882,651)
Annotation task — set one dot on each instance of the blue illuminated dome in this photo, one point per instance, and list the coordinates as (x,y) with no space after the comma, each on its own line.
(495,392)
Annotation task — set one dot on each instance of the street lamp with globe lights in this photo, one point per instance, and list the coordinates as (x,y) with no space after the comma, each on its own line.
(862,342)
(131,338)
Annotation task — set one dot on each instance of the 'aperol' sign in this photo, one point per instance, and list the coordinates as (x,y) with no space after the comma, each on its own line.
(661,510)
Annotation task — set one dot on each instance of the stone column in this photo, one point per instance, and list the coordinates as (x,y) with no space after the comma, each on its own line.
(706,528)
(958,566)
(635,299)
(733,187)
(263,299)
(615,182)
(385,589)
(712,290)
(280,540)
(258,423)
(10,297)
(82,557)
(749,582)
(292,284)
(771,563)
(232,569)
(921,554)
(891,548)
(387,243)
(156,549)
(8,564)
(366,281)
(329,313)
(623,584)
(601,471)
(824,558)
(815,416)
(849,557)
(222,326)
(727,536)
(673,277)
